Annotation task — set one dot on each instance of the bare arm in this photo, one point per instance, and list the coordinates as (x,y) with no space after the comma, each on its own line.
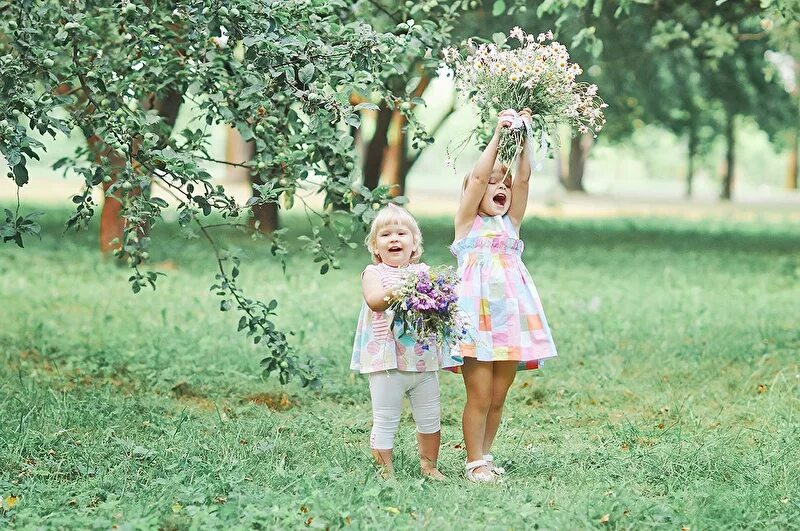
(477,181)
(375,294)
(519,188)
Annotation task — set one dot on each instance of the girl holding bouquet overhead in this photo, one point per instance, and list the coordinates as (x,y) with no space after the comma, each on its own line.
(507,329)
(397,361)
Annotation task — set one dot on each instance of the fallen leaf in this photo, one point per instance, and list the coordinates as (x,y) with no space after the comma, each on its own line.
(393,510)
(685,528)
(310,519)
(176,507)
(303,509)
(762,388)
(605,518)
(785,499)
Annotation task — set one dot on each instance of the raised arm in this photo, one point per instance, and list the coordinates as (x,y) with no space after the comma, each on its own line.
(478,179)
(519,187)
(374,293)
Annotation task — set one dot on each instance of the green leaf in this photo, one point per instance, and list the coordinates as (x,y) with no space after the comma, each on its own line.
(21,173)
(366,105)
(499,38)
(499,8)
(597,8)
(306,74)
(412,84)
(353,120)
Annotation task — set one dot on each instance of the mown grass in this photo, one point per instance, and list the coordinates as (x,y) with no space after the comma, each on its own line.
(674,402)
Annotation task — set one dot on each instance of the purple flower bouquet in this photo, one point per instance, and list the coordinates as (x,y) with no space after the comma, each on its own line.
(426,305)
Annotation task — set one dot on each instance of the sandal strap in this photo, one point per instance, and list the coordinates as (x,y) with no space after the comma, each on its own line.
(472,465)
(489,458)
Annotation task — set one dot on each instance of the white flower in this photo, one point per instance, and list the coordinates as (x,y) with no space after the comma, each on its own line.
(517,33)
(137,66)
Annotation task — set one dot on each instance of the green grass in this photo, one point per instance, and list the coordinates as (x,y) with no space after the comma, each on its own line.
(675,400)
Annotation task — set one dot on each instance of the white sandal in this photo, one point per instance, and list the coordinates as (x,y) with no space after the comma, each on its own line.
(494,468)
(479,477)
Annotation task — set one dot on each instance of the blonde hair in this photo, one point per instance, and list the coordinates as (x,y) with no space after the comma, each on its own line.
(388,215)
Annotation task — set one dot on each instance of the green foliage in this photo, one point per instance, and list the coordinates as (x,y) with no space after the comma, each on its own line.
(281,72)
(670,405)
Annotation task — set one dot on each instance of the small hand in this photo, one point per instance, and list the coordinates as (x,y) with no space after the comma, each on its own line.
(526,116)
(505,119)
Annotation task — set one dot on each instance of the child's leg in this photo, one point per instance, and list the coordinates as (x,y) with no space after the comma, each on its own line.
(386,389)
(426,409)
(502,377)
(478,382)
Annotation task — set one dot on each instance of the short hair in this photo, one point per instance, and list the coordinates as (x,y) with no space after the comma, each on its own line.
(388,215)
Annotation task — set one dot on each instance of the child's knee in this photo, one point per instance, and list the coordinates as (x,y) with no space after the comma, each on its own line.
(428,420)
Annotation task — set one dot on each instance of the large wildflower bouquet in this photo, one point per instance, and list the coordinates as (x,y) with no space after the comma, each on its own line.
(426,305)
(536,74)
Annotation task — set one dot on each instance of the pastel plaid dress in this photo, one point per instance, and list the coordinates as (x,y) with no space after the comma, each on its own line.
(498,298)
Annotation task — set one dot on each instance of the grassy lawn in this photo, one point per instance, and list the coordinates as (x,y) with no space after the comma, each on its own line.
(675,400)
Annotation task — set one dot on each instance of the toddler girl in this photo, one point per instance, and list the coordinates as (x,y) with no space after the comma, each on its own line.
(396,364)
(507,327)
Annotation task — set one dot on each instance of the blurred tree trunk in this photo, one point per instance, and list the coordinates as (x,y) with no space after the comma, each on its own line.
(561,165)
(792,169)
(387,153)
(730,150)
(375,150)
(395,160)
(112,224)
(578,153)
(690,160)
(237,150)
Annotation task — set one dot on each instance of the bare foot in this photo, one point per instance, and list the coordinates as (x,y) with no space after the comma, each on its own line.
(432,472)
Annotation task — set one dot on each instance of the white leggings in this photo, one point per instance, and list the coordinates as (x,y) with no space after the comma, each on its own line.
(387,389)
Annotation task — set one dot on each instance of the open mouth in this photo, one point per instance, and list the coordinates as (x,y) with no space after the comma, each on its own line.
(500,199)
(395,249)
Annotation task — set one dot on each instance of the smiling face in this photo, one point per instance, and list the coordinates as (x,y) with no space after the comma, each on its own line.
(497,198)
(394,244)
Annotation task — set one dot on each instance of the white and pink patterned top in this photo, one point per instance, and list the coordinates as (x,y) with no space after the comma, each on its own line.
(379,344)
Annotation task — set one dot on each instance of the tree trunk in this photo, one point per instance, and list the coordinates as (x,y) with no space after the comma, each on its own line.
(690,160)
(112,224)
(395,157)
(730,141)
(387,152)
(561,165)
(373,160)
(238,151)
(792,169)
(579,151)
(264,216)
